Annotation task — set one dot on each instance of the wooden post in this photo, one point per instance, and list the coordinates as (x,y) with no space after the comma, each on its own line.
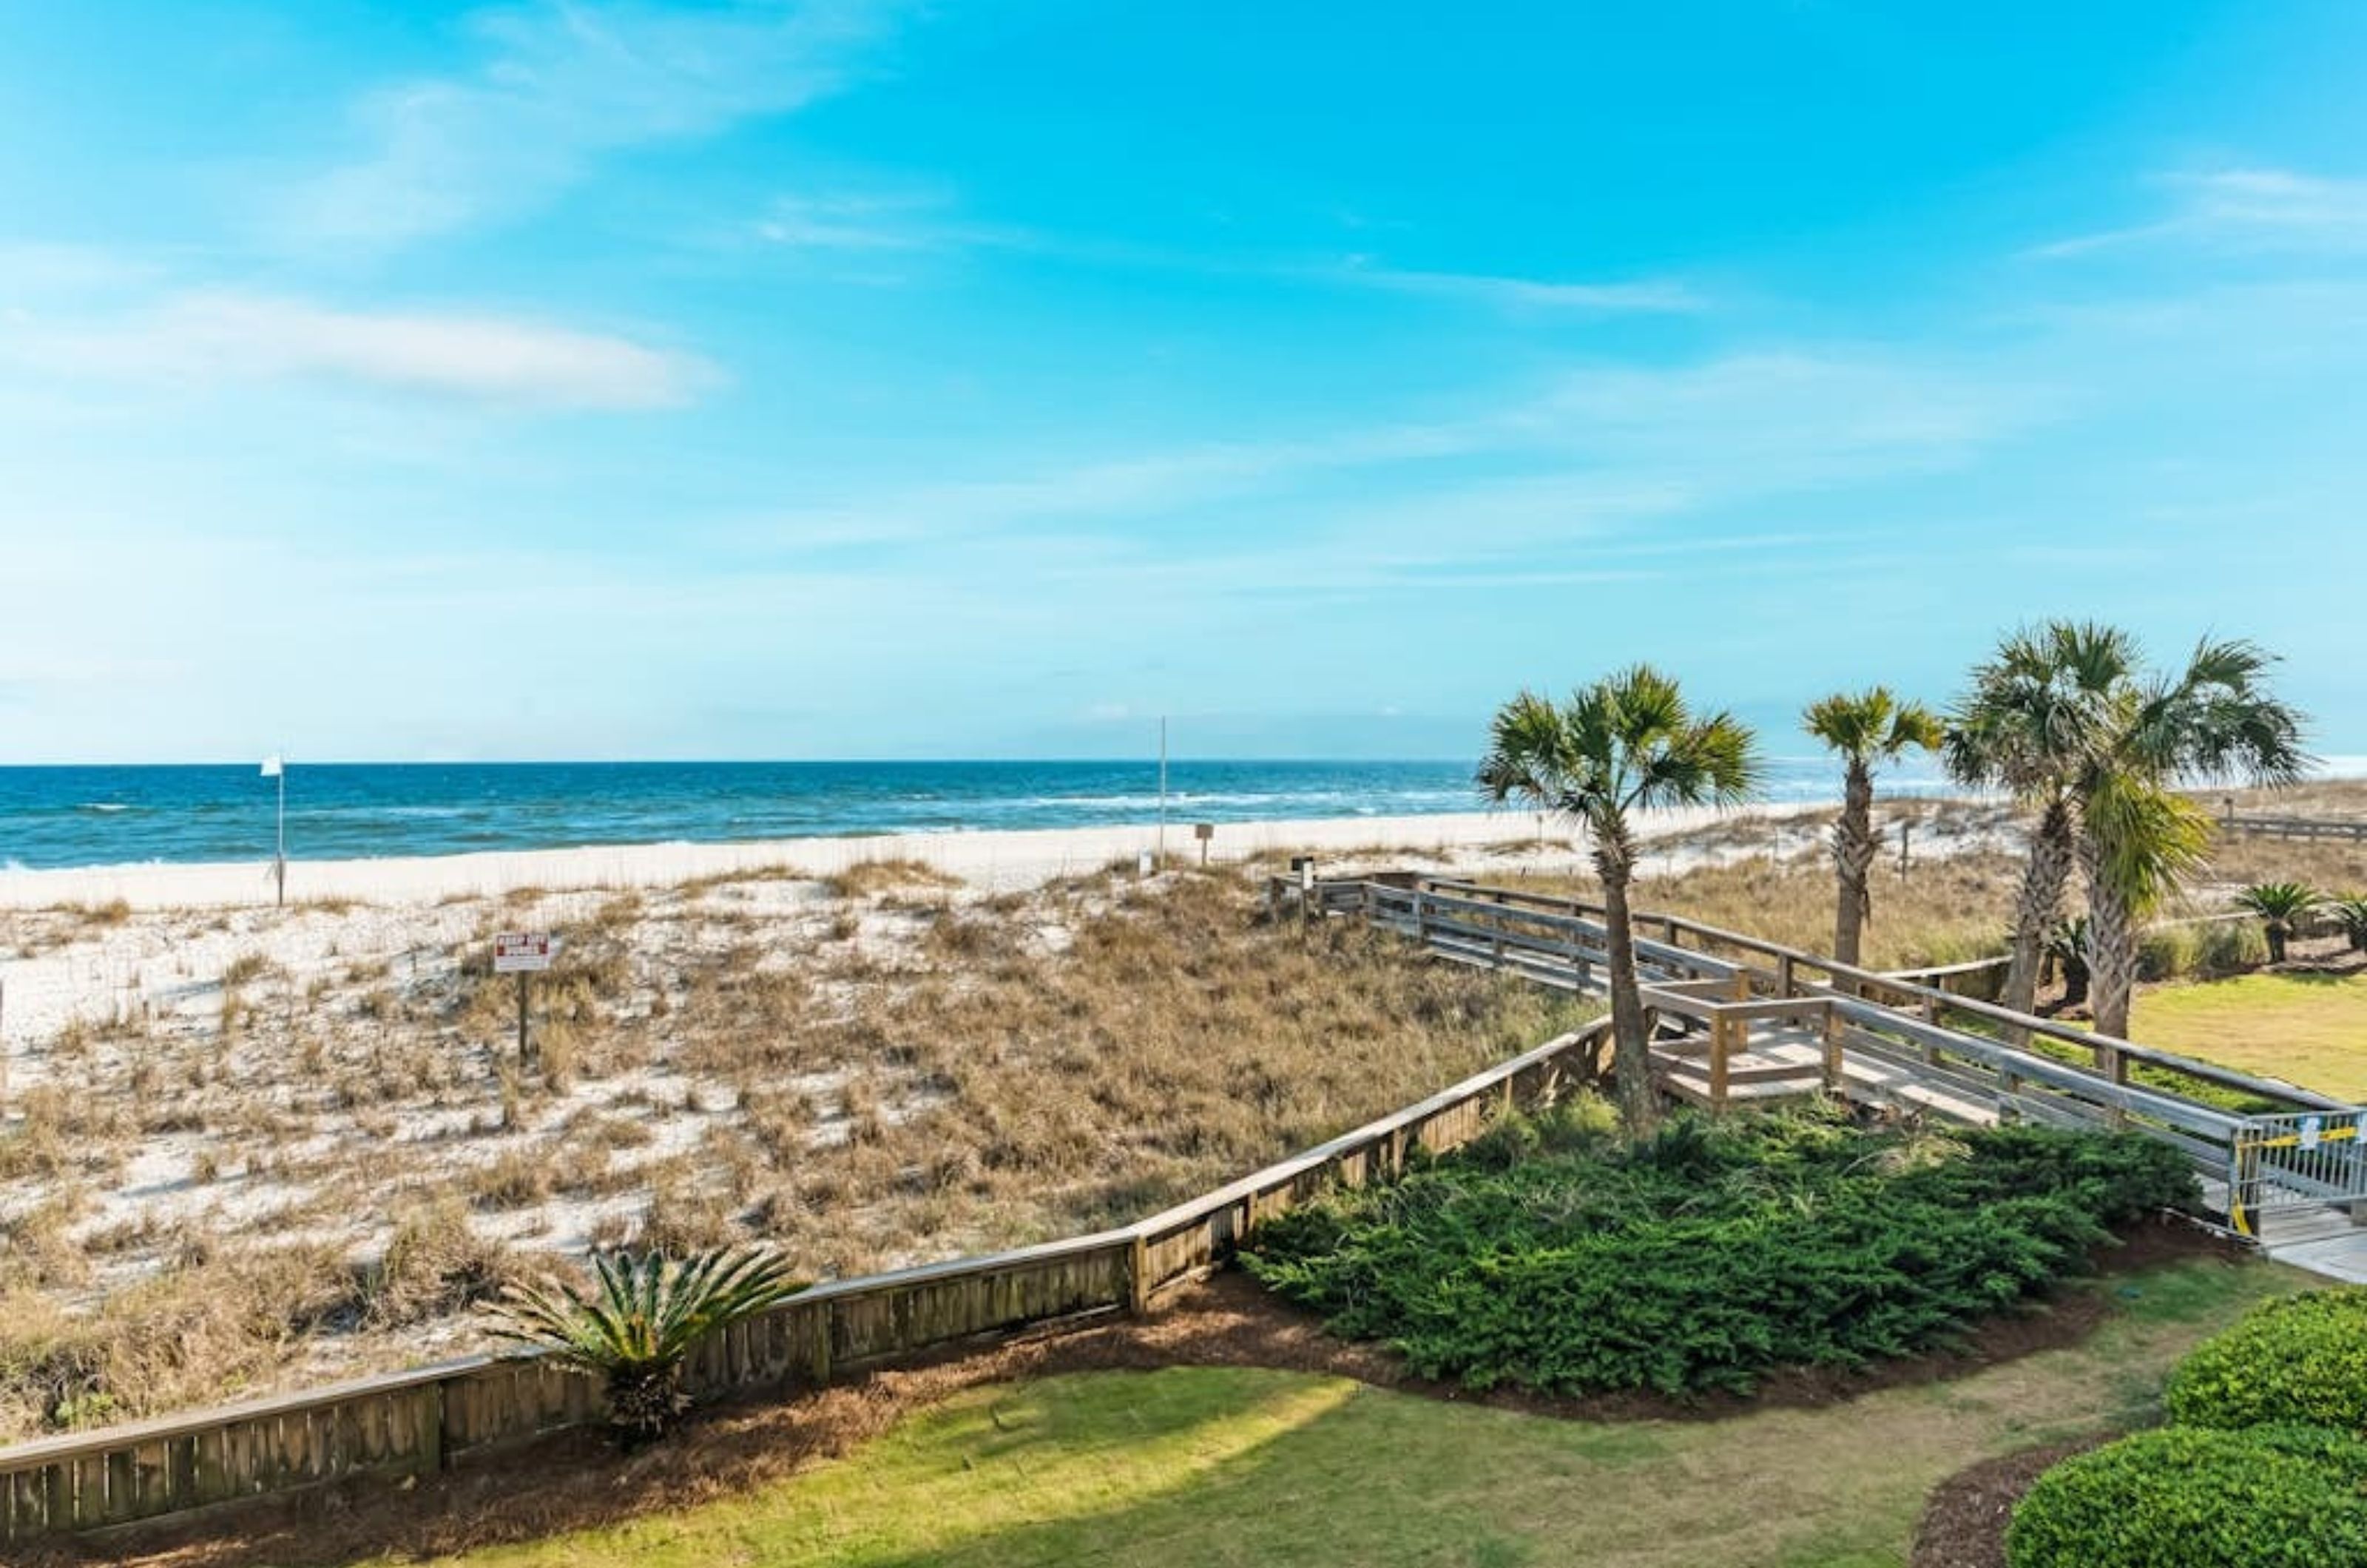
(1720,1037)
(1906,828)
(1139,1282)
(2114,1065)
(1834,1024)
(1786,983)
(522,1040)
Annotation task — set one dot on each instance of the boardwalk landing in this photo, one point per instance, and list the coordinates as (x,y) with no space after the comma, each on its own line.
(1738,1020)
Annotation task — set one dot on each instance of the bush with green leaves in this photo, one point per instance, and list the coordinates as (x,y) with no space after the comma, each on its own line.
(2193,1497)
(2298,1359)
(1711,1254)
(641,1321)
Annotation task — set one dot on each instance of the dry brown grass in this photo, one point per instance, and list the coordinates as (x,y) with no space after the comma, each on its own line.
(1943,912)
(305,1166)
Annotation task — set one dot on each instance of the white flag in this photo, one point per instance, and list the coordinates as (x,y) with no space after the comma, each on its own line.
(271,767)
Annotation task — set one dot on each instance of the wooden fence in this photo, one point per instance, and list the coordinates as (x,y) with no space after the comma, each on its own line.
(418,1422)
(2296,828)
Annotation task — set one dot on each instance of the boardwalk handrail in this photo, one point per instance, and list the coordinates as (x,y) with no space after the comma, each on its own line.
(2297,827)
(418,1421)
(1790,960)
(2015,1066)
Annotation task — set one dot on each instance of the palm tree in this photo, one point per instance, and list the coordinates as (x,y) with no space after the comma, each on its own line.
(2028,720)
(640,1322)
(1626,743)
(2215,722)
(1867,728)
(2280,906)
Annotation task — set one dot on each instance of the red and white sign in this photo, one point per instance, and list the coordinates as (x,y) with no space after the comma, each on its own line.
(520,953)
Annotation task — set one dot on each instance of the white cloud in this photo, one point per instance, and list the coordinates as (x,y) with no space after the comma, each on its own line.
(557,86)
(2245,209)
(212,337)
(1656,296)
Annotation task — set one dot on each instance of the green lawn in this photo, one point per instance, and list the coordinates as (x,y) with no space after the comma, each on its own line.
(1191,1467)
(2306,1029)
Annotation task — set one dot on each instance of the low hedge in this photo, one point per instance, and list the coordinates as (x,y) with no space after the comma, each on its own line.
(2194,1497)
(2301,1360)
(1711,1254)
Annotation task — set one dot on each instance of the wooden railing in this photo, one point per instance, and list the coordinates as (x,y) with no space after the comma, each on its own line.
(421,1421)
(1915,1029)
(2297,827)
(1786,971)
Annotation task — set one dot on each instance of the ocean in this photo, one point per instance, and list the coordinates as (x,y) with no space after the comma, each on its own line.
(107,815)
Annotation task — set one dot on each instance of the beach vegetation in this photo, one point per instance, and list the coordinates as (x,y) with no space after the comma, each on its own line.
(1629,743)
(639,1322)
(2281,905)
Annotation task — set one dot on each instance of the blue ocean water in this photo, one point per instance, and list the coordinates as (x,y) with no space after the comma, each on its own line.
(100,815)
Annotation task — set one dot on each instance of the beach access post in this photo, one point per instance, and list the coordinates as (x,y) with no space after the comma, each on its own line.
(273,768)
(1203,831)
(1904,828)
(521,953)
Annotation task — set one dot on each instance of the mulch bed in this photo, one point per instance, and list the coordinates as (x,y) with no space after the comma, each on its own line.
(1963,1523)
(574,1479)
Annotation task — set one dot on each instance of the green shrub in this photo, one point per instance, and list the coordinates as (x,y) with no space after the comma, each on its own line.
(2189,1497)
(2202,952)
(1710,1254)
(2301,1360)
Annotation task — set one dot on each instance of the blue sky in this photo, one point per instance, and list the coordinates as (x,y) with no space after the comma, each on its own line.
(868,379)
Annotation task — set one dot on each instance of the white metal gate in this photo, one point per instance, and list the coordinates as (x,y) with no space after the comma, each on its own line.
(2298,1160)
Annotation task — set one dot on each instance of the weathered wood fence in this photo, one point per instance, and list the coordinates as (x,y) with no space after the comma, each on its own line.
(422,1421)
(2296,828)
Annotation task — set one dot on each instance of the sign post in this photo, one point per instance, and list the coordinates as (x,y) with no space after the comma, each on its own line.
(521,953)
(1203,831)
(273,768)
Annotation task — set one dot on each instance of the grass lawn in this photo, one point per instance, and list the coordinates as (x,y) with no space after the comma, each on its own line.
(2306,1029)
(1194,1466)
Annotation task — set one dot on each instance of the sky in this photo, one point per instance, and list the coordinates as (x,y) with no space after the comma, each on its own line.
(861,378)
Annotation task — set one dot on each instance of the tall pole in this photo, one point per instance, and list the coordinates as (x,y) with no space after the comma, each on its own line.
(1162,792)
(279,860)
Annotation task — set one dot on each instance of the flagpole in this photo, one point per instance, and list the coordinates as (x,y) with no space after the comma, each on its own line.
(281,860)
(1162,792)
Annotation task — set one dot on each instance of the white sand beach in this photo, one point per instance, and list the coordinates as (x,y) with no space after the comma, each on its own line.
(996,861)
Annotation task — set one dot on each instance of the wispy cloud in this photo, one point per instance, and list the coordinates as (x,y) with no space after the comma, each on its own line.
(2254,209)
(213,337)
(557,86)
(1643,295)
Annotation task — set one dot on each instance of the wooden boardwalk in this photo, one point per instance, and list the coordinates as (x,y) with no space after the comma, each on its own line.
(1741,1021)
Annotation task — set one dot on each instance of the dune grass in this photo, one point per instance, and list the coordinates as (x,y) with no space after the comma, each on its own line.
(2306,1029)
(1194,1466)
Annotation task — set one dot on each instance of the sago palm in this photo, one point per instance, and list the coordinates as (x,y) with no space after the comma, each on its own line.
(2213,722)
(641,1321)
(2280,906)
(2029,719)
(1866,730)
(2350,914)
(1626,743)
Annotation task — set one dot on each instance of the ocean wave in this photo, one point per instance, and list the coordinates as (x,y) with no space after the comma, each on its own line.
(104,807)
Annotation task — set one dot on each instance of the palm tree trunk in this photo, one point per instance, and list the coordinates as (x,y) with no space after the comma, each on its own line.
(1854,851)
(2111,951)
(2277,936)
(1631,1063)
(2044,877)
